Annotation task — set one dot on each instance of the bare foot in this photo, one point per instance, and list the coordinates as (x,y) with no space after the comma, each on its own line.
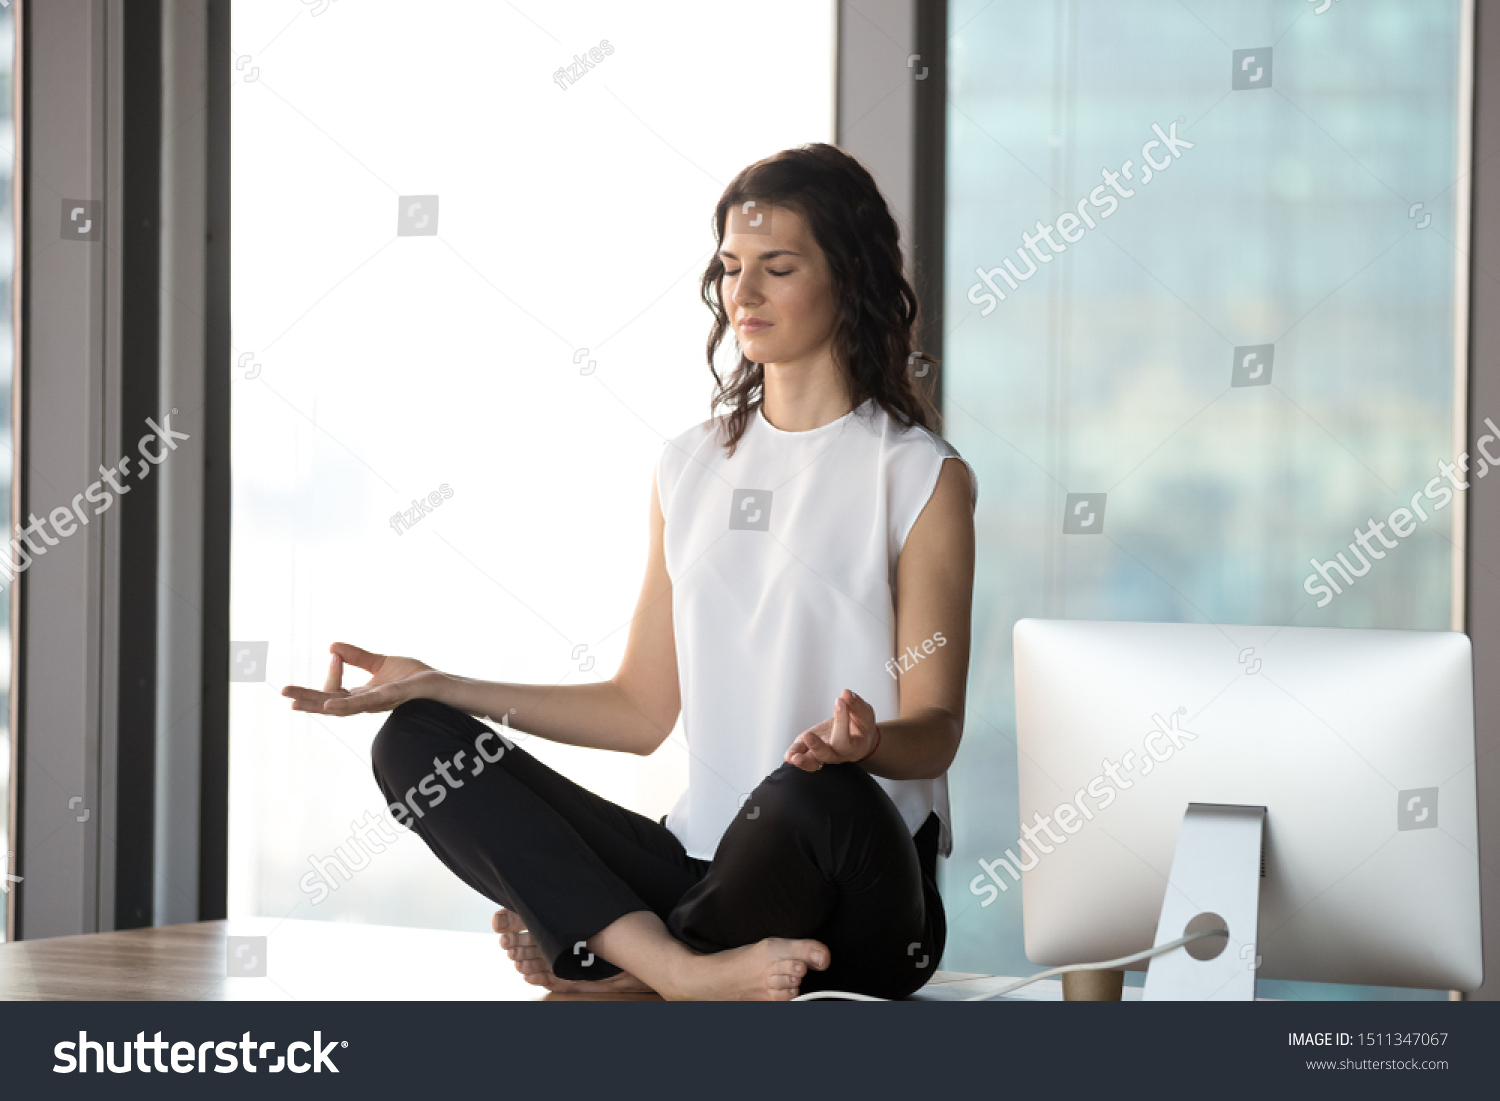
(527,955)
(769,970)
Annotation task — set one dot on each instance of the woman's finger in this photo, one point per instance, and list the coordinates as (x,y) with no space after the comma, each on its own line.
(382,698)
(806,740)
(360,659)
(812,734)
(311,695)
(824,752)
(862,711)
(335,679)
(838,734)
(806,762)
(800,754)
(807,743)
(861,726)
(353,705)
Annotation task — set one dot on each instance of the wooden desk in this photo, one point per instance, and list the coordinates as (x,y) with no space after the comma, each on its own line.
(316,961)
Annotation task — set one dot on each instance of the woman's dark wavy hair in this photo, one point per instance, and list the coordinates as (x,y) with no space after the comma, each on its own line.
(874,341)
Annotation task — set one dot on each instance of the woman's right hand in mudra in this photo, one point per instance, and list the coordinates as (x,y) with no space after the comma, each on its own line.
(393,681)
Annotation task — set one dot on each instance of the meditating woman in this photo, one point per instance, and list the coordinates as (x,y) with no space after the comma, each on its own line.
(805,612)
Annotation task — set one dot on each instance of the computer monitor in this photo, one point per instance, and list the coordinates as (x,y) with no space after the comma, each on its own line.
(1358,743)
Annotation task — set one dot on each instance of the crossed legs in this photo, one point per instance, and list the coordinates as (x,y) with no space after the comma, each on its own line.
(819,887)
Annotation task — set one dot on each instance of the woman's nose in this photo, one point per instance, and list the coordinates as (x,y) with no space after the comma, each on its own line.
(746,291)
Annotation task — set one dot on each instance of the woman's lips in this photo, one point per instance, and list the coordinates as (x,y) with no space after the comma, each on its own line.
(754,325)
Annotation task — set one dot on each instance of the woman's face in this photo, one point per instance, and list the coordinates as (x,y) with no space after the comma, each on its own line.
(776,288)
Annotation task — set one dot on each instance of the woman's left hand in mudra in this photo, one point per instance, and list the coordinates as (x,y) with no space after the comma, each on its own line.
(851,735)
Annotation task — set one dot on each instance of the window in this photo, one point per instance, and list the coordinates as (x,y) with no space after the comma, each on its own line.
(466,249)
(1251,342)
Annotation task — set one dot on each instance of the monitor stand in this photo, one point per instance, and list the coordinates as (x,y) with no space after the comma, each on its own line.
(1214,883)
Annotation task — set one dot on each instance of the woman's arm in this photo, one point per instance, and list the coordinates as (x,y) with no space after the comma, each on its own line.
(632,712)
(934,597)
(934,594)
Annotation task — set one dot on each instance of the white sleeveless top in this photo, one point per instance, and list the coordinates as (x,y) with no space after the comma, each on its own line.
(783,567)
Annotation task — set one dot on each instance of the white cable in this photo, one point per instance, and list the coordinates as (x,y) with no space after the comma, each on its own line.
(1107,965)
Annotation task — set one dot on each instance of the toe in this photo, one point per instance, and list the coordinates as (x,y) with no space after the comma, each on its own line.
(815,952)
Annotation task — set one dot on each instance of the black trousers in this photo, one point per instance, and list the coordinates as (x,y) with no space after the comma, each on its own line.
(819,854)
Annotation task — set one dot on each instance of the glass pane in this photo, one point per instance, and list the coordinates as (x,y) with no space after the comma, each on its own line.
(1237,345)
(466,249)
